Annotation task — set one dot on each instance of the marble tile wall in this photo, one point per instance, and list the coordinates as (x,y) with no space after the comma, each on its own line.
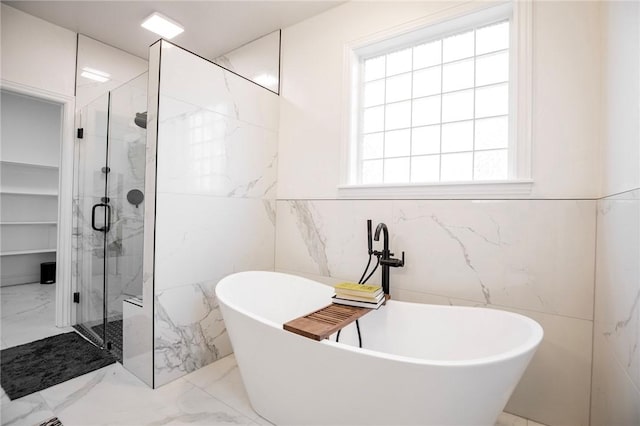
(214,204)
(616,363)
(534,257)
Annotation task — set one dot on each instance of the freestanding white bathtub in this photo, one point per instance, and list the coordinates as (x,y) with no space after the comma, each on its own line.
(420,364)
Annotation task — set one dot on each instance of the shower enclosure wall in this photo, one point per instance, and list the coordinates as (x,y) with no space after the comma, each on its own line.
(108,211)
(209,208)
(152,240)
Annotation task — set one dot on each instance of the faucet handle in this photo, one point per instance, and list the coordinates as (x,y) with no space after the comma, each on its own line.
(394,263)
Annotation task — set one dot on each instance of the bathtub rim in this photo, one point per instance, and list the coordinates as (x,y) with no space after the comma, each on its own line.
(527,346)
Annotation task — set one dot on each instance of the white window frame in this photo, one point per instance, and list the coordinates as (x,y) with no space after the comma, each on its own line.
(449,21)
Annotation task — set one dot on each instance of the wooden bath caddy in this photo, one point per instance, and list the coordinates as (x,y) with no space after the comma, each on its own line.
(321,324)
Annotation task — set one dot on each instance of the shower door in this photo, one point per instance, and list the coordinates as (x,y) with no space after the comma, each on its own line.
(109,211)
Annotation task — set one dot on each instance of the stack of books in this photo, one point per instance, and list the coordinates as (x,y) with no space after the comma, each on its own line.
(360,295)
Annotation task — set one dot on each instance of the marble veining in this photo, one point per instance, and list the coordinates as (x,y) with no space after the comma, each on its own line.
(312,235)
(630,317)
(187,340)
(270,209)
(485,291)
(523,254)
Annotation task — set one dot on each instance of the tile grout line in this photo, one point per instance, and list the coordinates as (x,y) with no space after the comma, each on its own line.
(221,400)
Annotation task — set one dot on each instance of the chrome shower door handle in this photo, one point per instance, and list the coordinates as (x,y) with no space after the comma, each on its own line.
(107,225)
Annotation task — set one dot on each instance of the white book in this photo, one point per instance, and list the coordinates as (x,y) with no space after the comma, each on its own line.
(369,305)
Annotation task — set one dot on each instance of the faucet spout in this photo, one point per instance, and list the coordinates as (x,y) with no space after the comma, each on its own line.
(385,259)
(385,234)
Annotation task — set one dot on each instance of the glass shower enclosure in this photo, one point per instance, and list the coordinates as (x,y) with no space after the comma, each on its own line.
(108,211)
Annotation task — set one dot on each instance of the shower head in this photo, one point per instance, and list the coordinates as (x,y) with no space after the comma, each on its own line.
(141,119)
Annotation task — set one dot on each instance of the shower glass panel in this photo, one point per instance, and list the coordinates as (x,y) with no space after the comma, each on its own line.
(90,182)
(110,184)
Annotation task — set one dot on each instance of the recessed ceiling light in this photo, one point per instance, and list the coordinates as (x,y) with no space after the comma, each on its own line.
(96,75)
(163,26)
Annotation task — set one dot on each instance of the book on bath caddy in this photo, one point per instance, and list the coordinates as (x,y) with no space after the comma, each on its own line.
(360,295)
(368,305)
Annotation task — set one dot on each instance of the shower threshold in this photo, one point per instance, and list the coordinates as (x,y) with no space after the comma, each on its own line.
(113,342)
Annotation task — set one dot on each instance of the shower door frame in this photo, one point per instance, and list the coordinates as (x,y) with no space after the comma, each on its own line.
(65,312)
(109,230)
(82,289)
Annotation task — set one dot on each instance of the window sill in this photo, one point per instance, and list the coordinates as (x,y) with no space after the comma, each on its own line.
(449,190)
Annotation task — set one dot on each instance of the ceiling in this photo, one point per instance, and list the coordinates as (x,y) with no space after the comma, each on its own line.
(212,28)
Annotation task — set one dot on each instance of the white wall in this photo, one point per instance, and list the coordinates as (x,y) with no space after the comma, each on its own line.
(37,53)
(259,61)
(616,363)
(621,97)
(31,130)
(566,87)
(535,257)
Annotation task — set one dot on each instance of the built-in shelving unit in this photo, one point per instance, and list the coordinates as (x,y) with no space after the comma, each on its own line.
(28,219)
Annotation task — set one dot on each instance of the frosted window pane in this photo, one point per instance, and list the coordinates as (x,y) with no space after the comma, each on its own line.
(426,111)
(425,140)
(399,88)
(492,38)
(372,146)
(426,82)
(397,143)
(457,75)
(492,100)
(456,47)
(396,170)
(373,119)
(372,171)
(457,106)
(457,137)
(398,115)
(492,68)
(374,93)
(426,55)
(456,167)
(374,68)
(425,169)
(399,62)
(490,165)
(492,133)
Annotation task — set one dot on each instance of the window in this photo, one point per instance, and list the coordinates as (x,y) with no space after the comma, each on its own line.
(437,105)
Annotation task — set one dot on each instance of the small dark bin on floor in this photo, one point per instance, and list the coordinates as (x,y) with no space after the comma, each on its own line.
(48,273)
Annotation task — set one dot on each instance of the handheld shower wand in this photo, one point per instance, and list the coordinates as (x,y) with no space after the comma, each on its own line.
(369,237)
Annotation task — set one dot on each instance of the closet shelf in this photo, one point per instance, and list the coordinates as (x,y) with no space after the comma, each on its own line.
(19,252)
(29,223)
(34,193)
(21,164)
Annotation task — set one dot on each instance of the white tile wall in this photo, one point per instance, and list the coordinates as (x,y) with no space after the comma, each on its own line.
(534,257)
(616,366)
(215,210)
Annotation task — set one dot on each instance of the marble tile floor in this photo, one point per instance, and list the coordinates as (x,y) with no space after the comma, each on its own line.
(213,395)
(28,314)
